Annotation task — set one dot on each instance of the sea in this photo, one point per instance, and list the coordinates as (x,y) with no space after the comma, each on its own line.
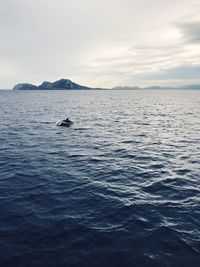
(119,188)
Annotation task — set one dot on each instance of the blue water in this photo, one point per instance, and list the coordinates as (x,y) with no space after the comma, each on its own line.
(121,187)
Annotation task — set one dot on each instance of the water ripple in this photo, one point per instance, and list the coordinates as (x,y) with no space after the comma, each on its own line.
(119,188)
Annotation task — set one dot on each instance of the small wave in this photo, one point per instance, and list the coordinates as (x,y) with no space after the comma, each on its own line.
(82,129)
(182,171)
(47,122)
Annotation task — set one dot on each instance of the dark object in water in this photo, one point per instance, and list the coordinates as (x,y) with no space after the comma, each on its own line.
(66,122)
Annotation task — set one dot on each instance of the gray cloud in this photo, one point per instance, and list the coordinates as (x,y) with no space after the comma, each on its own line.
(184,72)
(190,31)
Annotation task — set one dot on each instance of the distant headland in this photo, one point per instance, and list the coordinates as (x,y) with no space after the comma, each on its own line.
(66,84)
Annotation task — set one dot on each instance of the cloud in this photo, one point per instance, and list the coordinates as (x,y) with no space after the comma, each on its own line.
(184,72)
(136,65)
(96,42)
(190,31)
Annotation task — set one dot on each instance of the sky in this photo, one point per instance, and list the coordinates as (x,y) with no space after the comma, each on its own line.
(100,43)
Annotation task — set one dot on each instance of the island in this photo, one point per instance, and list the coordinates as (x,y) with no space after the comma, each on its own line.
(62,84)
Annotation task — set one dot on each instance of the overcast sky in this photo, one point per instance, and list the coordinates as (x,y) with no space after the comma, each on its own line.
(100,42)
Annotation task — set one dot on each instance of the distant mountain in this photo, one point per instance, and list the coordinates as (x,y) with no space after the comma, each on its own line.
(136,87)
(155,87)
(126,88)
(62,84)
(191,86)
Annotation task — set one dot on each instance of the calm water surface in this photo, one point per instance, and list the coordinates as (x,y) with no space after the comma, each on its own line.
(121,187)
